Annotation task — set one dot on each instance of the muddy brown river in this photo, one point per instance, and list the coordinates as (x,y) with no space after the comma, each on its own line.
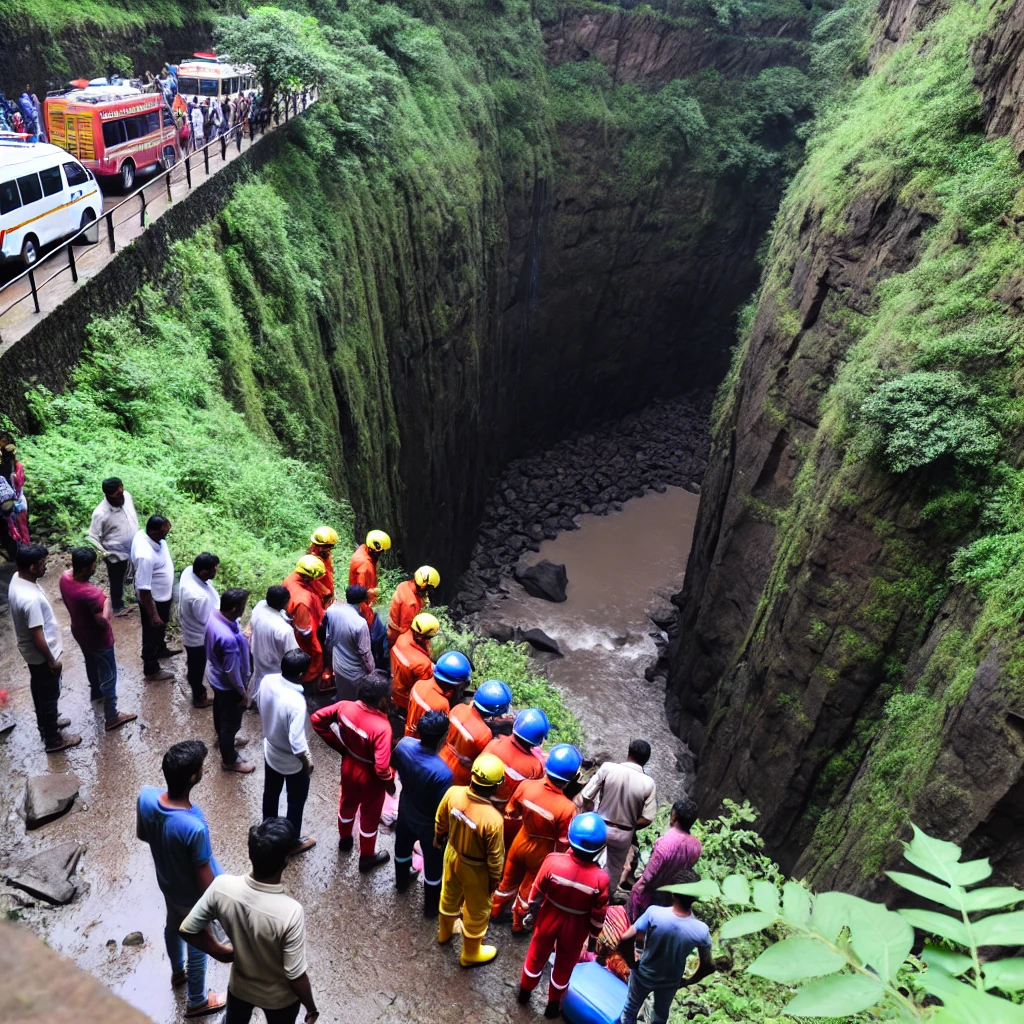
(372,957)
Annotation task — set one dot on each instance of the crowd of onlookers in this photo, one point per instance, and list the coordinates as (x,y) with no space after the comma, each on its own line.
(23,115)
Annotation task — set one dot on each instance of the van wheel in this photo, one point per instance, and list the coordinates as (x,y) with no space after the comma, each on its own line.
(127,175)
(30,251)
(88,217)
(167,158)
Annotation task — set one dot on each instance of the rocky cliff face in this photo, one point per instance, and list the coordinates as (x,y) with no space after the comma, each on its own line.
(830,667)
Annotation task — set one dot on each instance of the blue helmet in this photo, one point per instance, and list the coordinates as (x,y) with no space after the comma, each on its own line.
(588,832)
(563,763)
(531,726)
(492,697)
(452,669)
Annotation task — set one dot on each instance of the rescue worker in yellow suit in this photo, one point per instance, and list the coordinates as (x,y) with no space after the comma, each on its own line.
(473,858)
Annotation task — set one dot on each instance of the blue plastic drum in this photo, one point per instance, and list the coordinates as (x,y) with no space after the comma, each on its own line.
(594,996)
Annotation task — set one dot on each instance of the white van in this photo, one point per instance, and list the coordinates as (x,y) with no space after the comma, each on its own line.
(45,195)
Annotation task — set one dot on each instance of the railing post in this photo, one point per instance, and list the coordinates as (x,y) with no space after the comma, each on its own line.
(239,133)
(32,285)
(167,178)
(206,158)
(110,231)
(71,262)
(223,147)
(188,170)
(142,212)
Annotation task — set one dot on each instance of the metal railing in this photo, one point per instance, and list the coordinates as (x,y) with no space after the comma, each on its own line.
(292,105)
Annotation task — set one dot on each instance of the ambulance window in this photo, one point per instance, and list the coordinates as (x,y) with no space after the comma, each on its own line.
(113,133)
(207,87)
(76,173)
(9,198)
(135,127)
(52,184)
(31,190)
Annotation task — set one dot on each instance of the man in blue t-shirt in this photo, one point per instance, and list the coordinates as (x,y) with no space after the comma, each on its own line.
(425,780)
(671,935)
(179,840)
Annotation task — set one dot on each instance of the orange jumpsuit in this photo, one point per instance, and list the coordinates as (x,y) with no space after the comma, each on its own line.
(409,664)
(545,812)
(426,696)
(468,734)
(363,738)
(324,585)
(405,606)
(362,572)
(519,765)
(307,613)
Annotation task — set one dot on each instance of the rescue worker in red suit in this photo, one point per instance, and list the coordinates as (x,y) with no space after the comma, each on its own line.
(568,904)
(468,729)
(410,598)
(452,671)
(411,662)
(360,732)
(473,857)
(306,610)
(545,812)
(530,729)
(362,572)
(321,544)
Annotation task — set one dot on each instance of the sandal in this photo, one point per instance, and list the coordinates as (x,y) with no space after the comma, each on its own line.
(214,1002)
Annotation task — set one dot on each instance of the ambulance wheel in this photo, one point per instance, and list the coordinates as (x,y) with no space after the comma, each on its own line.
(30,251)
(127,175)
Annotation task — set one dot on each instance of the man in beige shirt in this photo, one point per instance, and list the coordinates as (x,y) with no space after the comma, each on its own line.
(626,800)
(267,930)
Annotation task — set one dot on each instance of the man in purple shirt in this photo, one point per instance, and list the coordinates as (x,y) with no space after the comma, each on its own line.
(228,668)
(673,855)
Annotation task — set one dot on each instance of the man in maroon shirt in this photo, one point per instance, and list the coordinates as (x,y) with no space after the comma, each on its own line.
(90,613)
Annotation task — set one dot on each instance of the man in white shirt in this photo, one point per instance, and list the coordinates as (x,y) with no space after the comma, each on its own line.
(284,716)
(112,530)
(197,600)
(40,644)
(626,800)
(271,637)
(267,930)
(154,586)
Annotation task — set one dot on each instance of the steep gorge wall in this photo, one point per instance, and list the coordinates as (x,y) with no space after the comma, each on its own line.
(831,667)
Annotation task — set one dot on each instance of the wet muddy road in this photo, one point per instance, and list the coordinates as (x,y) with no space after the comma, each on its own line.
(618,566)
(372,956)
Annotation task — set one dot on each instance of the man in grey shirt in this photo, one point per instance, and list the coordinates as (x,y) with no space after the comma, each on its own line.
(348,643)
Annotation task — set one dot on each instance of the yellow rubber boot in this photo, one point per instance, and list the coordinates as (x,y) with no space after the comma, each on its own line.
(445,927)
(474,953)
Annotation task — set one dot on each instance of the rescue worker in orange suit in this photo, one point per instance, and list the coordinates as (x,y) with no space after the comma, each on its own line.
(321,544)
(425,779)
(410,598)
(411,662)
(530,729)
(545,812)
(468,731)
(451,672)
(306,610)
(568,904)
(472,860)
(359,731)
(362,572)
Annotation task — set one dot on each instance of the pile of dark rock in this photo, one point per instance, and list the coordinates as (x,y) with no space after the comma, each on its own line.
(665,445)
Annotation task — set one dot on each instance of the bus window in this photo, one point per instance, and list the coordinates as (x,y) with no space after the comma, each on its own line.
(9,198)
(114,133)
(75,173)
(50,177)
(207,87)
(232,86)
(188,86)
(30,188)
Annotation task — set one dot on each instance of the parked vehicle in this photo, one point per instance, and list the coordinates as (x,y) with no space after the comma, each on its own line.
(207,76)
(45,195)
(114,130)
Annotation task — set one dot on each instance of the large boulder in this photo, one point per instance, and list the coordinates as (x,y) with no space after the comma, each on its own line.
(545,580)
(47,875)
(48,797)
(540,641)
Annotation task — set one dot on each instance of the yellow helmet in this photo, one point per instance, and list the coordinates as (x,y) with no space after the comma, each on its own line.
(378,540)
(324,536)
(427,576)
(488,770)
(311,566)
(425,625)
